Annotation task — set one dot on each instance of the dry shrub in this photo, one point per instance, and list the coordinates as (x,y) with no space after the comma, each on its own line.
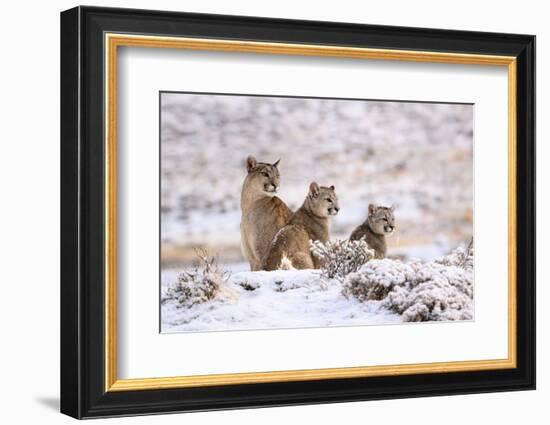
(377,278)
(341,257)
(439,290)
(204,283)
(460,257)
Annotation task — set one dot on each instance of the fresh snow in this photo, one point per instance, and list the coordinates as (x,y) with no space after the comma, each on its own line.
(282,299)
(380,292)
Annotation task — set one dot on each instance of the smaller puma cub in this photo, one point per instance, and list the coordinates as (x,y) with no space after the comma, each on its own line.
(378,224)
(309,222)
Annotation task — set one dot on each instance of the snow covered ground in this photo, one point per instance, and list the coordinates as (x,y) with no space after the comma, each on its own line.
(285,299)
(380,292)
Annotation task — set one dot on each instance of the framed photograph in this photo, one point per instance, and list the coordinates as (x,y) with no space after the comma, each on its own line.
(261,212)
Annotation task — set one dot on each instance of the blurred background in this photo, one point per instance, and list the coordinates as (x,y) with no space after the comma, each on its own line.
(416,156)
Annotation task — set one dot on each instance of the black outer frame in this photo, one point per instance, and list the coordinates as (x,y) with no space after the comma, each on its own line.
(82,219)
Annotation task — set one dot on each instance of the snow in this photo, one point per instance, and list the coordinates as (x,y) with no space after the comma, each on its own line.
(282,299)
(381,292)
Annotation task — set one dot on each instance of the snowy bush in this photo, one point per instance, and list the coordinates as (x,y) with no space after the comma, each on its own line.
(341,257)
(440,290)
(438,293)
(247,284)
(202,284)
(377,278)
(461,257)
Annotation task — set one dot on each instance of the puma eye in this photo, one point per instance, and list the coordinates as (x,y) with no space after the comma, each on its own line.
(328,200)
(265,174)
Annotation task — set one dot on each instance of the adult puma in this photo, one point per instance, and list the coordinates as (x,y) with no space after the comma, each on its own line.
(309,223)
(262,213)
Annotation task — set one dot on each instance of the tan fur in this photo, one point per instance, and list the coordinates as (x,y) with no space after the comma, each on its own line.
(262,213)
(309,223)
(378,224)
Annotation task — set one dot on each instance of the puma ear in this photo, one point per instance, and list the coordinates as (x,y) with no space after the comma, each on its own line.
(250,163)
(277,163)
(314,189)
(372,209)
(332,187)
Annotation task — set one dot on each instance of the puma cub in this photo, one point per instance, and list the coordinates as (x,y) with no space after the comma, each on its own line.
(378,224)
(262,213)
(309,222)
